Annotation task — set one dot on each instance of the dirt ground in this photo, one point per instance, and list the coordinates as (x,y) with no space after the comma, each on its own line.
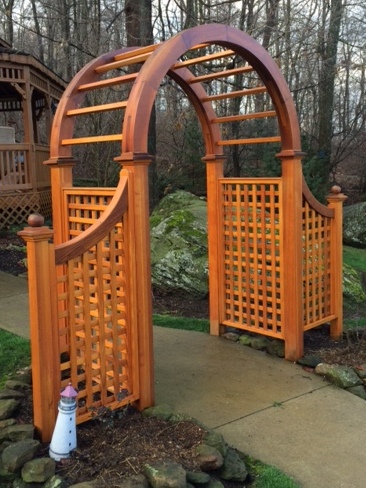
(117,444)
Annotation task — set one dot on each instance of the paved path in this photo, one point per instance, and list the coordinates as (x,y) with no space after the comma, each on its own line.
(266,407)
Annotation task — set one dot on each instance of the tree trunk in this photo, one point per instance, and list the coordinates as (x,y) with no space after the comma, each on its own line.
(326,91)
(139,33)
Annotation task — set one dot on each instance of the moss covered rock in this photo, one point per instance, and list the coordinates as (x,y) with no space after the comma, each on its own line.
(352,284)
(354,225)
(179,259)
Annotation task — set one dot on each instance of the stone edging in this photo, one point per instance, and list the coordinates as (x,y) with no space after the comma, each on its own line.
(20,466)
(352,379)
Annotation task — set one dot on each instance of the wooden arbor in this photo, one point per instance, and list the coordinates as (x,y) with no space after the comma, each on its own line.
(274,251)
(29,93)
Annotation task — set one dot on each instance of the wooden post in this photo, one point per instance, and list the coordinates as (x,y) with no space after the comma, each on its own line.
(335,201)
(214,171)
(44,340)
(140,276)
(291,254)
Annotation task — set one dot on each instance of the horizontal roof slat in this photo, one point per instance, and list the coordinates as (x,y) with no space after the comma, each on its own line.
(238,118)
(92,139)
(254,140)
(97,108)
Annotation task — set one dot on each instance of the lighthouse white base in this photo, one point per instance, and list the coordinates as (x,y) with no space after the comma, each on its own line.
(64,436)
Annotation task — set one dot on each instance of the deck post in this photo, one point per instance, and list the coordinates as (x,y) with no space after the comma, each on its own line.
(44,340)
(291,254)
(214,171)
(140,270)
(335,201)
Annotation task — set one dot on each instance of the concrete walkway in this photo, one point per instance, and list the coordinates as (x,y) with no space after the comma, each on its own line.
(266,407)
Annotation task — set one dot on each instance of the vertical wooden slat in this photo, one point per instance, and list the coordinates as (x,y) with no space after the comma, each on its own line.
(255,255)
(263,238)
(237,257)
(100,345)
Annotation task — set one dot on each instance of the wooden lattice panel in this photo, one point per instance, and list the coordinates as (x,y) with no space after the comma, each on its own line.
(94,327)
(15,208)
(95,335)
(85,206)
(252,255)
(316,267)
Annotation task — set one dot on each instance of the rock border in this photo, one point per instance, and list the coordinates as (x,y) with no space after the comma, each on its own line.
(351,379)
(20,466)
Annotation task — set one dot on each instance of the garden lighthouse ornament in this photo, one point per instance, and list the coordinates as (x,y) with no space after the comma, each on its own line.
(64,436)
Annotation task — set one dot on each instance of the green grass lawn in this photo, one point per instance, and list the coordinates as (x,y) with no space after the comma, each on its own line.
(268,476)
(14,354)
(199,325)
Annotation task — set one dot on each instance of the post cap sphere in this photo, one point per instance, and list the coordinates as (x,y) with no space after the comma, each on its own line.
(336,190)
(35,220)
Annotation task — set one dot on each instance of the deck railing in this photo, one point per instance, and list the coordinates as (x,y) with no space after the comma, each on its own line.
(22,168)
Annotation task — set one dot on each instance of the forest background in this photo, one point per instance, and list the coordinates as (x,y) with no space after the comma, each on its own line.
(320,46)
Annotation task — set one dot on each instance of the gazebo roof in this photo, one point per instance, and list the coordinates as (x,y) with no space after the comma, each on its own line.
(12,64)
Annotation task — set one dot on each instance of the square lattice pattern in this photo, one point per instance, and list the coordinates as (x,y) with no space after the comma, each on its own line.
(252,255)
(93,314)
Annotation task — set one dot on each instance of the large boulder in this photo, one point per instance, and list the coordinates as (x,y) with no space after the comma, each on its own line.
(354,225)
(179,259)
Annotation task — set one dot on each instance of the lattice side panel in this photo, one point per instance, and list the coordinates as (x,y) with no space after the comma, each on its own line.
(316,268)
(97,356)
(85,206)
(15,208)
(251,253)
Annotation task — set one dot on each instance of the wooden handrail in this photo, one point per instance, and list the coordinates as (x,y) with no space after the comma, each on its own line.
(110,217)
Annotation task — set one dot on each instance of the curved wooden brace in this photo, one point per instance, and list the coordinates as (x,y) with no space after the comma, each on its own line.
(314,203)
(100,228)
(144,91)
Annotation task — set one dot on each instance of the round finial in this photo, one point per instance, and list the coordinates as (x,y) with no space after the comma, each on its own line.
(35,220)
(335,190)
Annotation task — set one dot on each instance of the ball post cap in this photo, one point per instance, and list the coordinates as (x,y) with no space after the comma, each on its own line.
(35,220)
(335,190)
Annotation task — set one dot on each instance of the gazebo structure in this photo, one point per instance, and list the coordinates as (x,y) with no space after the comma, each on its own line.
(275,253)
(29,94)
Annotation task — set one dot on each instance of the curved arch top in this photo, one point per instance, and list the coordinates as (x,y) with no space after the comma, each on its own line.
(163,58)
